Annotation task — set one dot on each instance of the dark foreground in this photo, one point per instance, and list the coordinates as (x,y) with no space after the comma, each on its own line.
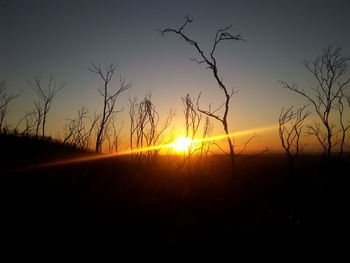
(164,207)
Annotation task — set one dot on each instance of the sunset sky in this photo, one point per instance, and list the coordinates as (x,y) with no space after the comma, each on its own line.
(63,37)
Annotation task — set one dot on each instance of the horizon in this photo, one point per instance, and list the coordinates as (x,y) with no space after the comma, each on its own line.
(43,38)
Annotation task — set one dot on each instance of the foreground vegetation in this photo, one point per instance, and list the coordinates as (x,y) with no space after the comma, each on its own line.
(170,206)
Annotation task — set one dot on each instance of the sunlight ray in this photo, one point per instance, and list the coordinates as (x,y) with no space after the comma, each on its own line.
(174,145)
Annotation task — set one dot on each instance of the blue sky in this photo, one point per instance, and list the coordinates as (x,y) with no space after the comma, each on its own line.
(63,37)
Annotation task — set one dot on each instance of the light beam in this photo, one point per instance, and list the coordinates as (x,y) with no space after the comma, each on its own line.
(144,149)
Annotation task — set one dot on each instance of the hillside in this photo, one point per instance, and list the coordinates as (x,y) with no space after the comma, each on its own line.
(17,151)
(161,207)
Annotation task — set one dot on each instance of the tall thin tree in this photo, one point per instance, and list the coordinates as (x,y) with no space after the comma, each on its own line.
(46,96)
(344,126)
(290,130)
(109,99)
(210,60)
(330,73)
(5,99)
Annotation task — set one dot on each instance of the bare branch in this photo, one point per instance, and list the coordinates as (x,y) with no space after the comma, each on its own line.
(109,98)
(290,128)
(329,70)
(221,35)
(5,100)
(208,112)
(246,143)
(45,96)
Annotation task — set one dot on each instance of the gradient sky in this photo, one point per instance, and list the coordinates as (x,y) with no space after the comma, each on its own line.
(63,37)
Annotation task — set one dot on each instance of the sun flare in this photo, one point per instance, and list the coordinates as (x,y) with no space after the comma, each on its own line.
(183,144)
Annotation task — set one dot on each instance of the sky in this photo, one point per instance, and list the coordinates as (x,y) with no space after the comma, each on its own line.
(62,38)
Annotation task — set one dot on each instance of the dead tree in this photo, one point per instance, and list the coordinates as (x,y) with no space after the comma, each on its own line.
(330,72)
(109,99)
(207,129)
(45,99)
(77,132)
(5,99)
(133,105)
(38,112)
(148,133)
(29,121)
(209,59)
(75,129)
(148,129)
(192,117)
(205,145)
(113,135)
(343,126)
(147,121)
(290,129)
(192,120)
(116,137)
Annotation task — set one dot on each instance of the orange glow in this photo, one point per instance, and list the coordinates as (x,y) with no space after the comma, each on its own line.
(181,144)
(238,134)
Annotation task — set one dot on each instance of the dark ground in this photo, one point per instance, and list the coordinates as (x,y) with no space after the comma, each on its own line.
(162,208)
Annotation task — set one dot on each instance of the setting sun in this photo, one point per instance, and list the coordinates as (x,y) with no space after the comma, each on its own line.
(183,144)
(188,134)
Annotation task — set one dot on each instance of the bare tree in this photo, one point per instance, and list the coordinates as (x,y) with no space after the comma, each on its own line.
(147,122)
(38,112)
(330,72)
(205,144)
(192,120)
(343,126)
(290,128)
(147,129)
(209,59)
(113,135)
(192,117)
(207,129)
(29,120)
(75,129)
(71,129)
(77,132)
(133,105)
(45,99)
(116,137)
(109,99)
(5,99)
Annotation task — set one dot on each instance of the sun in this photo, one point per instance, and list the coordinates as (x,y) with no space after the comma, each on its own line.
(183,144)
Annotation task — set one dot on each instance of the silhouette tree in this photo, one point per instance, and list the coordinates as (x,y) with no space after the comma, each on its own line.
(290,128)
(148,132)
(113,135)
(343,126)
(206,144)
(330,72)
(29,120)
(5,99)
(133,105)
(77,132)
(192,117)
(193,120)
(210,60)
(109,99)
(38,113)
(45,99)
